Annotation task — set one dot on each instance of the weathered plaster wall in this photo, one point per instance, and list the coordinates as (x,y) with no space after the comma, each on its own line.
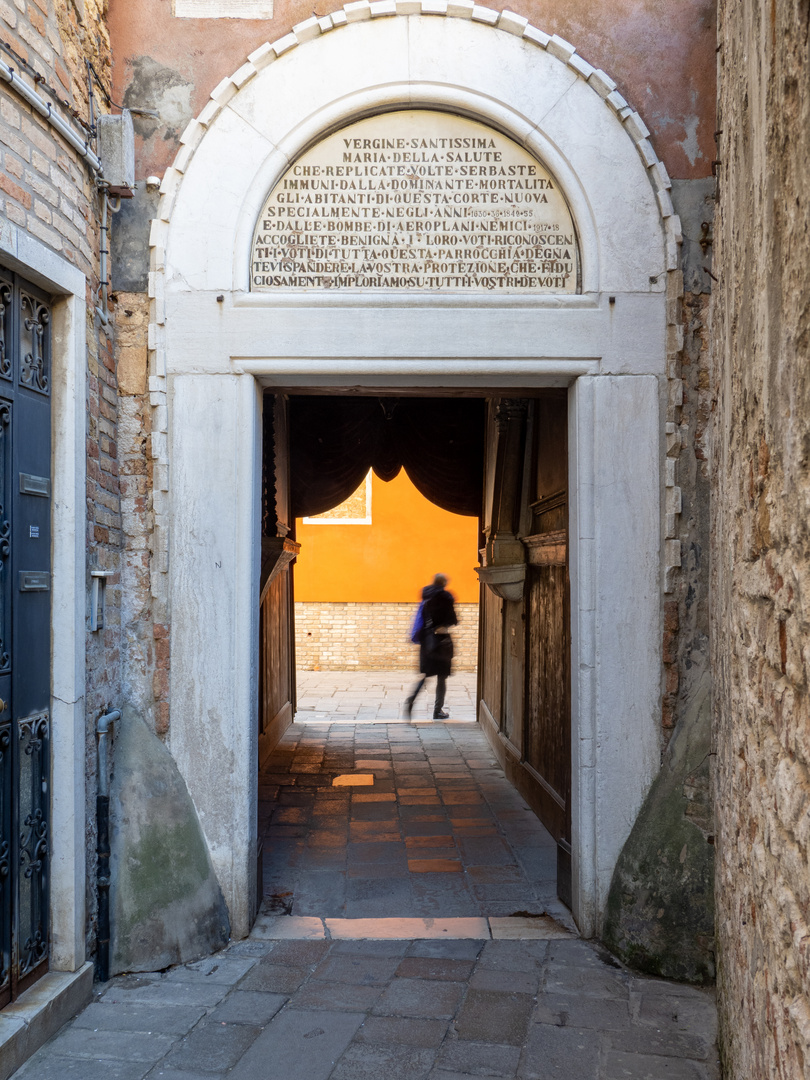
(662,61)
(664,67)
(761,539)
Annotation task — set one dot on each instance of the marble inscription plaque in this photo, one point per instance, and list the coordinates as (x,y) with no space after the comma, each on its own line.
(416,200)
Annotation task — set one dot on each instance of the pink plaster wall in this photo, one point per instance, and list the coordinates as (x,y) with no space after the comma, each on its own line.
(662,55)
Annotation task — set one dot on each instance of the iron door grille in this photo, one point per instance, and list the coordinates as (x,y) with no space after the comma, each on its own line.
(25,648)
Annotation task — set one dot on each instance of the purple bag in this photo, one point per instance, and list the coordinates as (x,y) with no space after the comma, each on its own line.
(418,624)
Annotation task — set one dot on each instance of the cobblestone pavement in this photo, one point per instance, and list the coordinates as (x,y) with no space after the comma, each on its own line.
(435,854)
(389,1010)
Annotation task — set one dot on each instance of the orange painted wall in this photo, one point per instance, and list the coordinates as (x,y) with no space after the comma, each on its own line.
(409,540)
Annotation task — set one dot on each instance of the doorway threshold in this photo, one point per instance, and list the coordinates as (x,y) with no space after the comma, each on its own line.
(325,720)
(504,928)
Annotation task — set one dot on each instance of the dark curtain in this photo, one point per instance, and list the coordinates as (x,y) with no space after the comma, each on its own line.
(335,441)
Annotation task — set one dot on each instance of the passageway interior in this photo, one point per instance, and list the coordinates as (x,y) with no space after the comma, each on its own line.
(439,830)
(389,819)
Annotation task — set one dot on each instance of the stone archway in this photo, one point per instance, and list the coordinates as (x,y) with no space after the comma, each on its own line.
(215,344)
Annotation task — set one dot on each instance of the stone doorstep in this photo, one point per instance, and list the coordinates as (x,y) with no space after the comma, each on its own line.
(39,1013)
(310,927)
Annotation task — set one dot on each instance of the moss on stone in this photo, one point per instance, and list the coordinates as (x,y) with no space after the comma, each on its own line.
(167,907)
(660,910)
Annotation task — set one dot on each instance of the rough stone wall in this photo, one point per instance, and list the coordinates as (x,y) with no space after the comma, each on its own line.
(761,538)
(372,637)
(145,671)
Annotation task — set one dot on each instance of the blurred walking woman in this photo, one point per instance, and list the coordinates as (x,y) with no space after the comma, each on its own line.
(435,643)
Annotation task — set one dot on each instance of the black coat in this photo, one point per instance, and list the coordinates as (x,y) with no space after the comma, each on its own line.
(436,650)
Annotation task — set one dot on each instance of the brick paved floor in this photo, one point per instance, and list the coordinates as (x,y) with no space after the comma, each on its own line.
(389,1010)
(441,832)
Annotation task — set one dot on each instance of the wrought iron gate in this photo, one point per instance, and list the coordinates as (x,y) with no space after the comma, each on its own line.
(25,647)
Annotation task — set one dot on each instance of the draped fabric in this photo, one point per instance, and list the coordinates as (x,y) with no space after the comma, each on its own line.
(334,441)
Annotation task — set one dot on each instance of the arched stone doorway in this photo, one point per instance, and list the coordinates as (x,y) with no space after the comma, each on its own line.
(216,345)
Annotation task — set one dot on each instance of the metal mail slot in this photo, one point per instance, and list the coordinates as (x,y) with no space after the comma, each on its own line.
(35,581)
(35,485)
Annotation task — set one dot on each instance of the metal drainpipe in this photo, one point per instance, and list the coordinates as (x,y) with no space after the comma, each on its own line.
(103,726)
(81,146)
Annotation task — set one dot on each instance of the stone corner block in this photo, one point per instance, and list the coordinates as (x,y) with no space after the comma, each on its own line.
(616,101)
(582,67)
(171,178)
(512,23)
(674,230)
(485,15)
(223,92)
(660,176)
(262,56)
(665,203)
(531,33)
(357,11)
(210,112)
(601,83)
(560,48)
(193,133)
(158,231)
(284,44)
(460,9)
(636,126)
(183,157)
(307,30)
(648,155)
(243,74)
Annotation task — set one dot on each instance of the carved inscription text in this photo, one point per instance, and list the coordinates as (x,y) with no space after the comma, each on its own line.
(416,200)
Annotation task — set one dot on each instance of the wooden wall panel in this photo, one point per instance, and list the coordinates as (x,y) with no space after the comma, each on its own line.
(548,722)
(492,652)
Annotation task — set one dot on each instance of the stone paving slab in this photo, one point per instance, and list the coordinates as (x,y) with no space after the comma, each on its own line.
(391,1009)
(440,831)
(359,970)
(378,696)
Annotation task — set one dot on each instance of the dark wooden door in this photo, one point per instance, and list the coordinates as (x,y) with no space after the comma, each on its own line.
(547,726)
(276,630)
(25,652)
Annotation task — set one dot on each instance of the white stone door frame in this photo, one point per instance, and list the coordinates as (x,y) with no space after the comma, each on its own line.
(67,285)
(214,345)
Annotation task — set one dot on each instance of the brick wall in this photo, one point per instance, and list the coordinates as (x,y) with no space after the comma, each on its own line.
(372,637)
(761,538)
